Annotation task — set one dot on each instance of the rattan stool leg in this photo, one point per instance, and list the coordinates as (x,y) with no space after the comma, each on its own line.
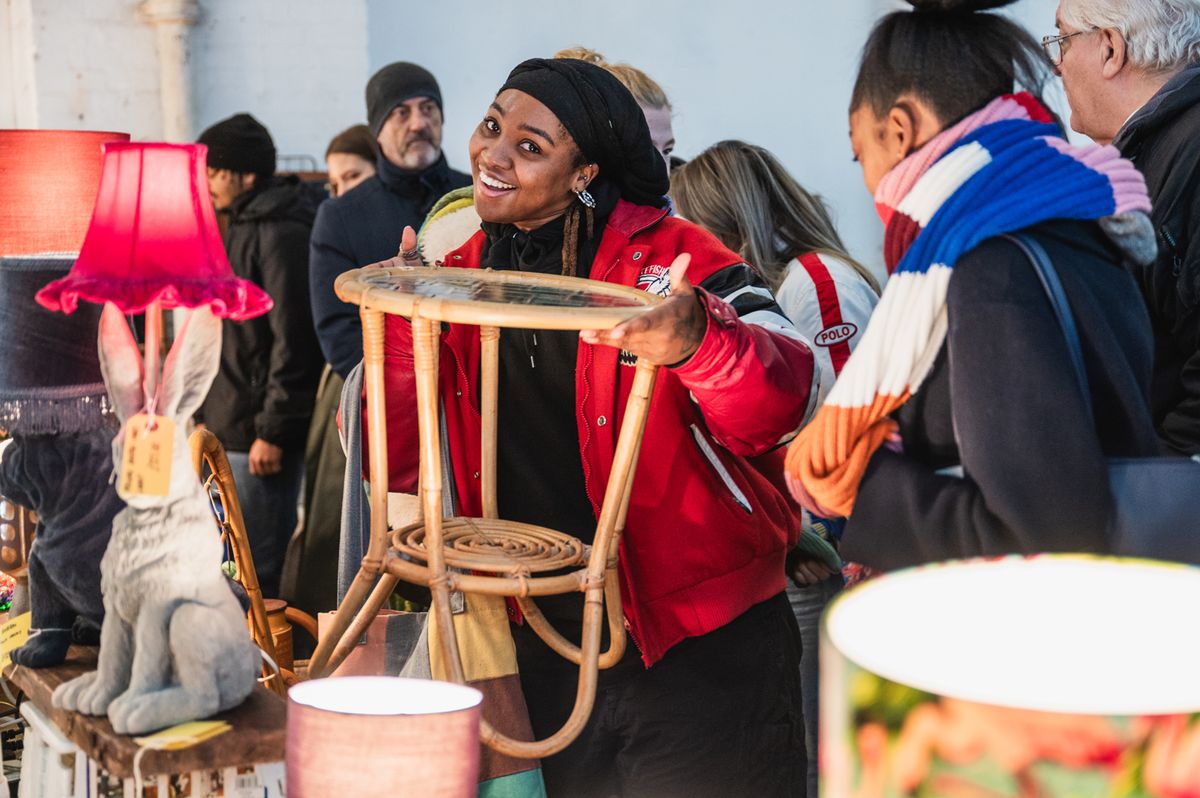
(489,387)
(603,561)
(426,340)
(600,580)
(335,644)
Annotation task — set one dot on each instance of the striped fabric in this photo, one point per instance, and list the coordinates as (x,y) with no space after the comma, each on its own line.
(1001,169)
(748,294)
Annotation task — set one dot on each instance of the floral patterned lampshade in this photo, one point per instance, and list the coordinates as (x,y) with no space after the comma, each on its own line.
(154,238)
(1054,676)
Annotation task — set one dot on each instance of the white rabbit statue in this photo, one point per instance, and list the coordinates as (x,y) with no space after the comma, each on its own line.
(174,646)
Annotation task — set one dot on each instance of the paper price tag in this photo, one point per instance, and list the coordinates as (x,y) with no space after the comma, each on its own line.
(185,735)
(146,460)
(13,635)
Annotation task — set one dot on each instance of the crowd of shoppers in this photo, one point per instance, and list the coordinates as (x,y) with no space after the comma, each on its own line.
(814,418)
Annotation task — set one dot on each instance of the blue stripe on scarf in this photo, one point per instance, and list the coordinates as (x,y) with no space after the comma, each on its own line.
(1027,182)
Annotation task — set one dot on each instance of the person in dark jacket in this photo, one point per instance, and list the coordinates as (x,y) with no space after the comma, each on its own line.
(963,362)
(1131,71)
(363,226)
(262,398)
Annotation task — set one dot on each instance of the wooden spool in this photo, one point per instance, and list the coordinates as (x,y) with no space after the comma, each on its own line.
(504,558)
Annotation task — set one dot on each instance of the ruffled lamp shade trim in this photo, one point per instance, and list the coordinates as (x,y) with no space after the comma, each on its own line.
(231,298)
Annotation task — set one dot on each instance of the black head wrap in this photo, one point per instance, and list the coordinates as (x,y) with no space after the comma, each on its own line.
(604,119)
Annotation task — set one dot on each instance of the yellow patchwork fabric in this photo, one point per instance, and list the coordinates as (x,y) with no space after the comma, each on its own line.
(484,641)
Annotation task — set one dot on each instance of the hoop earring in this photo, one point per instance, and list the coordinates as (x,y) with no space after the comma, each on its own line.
(586,198)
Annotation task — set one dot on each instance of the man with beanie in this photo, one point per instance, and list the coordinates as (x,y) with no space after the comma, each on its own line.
(261,401)
(363,226)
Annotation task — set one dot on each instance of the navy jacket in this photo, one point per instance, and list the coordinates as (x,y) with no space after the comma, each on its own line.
(1163,141)
(363,227)
(1002,401)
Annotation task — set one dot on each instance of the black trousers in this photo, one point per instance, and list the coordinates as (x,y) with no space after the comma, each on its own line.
(719,715)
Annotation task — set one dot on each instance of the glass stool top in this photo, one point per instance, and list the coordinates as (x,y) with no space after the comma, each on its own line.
(500,299)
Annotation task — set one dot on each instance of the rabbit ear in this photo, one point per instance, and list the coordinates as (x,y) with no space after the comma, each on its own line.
(191,364)
(120,363)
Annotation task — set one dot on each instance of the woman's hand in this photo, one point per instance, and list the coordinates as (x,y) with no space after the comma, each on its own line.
(408,255)
(810,571)
(668,334)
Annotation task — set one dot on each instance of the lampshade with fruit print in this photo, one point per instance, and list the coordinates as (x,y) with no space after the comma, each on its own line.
(1053,675)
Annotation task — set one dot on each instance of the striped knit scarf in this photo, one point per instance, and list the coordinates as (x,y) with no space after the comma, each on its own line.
(1001,169)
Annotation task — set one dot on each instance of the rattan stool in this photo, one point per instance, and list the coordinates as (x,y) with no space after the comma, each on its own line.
(488,555)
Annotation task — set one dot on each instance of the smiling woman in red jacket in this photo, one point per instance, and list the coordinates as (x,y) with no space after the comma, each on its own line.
(566,181)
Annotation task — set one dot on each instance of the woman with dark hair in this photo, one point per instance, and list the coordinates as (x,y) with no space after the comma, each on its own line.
(706,700)
(964,363)
(350,158)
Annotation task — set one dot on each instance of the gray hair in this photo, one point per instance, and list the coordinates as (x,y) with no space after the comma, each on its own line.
(1161,35)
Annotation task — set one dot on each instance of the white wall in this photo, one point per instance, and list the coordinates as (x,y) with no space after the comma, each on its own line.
(774,72)
(298,65)
(18,98)
(84,66)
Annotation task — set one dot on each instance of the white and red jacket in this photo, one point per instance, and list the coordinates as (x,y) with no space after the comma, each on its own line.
(830,303)
(709,522)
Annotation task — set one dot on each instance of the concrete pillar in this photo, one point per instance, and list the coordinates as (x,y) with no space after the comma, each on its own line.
(171,20)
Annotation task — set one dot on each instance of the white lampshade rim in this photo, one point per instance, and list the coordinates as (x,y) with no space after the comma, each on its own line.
(383,696)
(1138,665)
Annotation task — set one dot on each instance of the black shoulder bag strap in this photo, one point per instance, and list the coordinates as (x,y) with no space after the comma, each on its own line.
(1048,276)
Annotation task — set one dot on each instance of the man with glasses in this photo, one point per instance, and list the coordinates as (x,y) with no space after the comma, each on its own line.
(1131,70)
(404,109)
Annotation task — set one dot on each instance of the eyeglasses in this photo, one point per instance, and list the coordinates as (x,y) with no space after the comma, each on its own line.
(1054,48)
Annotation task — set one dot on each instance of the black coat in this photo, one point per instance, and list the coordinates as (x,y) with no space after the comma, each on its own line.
(1002,400)
(269,365)
(1163,140)
(363,227)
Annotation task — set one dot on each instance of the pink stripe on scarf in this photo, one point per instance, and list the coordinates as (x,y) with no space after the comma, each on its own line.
(1129,186)
(899,181)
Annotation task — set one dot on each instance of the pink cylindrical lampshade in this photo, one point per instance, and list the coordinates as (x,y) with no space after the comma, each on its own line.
(154,237)
(49,184)
(382,737)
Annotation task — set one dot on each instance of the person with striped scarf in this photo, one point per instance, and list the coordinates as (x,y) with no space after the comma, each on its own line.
(963,363)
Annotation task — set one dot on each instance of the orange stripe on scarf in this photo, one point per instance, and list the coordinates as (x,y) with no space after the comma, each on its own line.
(830,455)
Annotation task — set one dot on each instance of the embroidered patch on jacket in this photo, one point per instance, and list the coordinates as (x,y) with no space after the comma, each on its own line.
(835,334)
(655,279)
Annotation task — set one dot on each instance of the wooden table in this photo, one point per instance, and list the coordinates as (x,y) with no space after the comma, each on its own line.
(258,734)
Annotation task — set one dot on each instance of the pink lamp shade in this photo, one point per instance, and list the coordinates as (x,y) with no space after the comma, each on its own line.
(154,238)
(48,189)
(382,737)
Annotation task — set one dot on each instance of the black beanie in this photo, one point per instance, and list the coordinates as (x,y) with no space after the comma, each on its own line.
(604,119)
(394,84)
(240,144)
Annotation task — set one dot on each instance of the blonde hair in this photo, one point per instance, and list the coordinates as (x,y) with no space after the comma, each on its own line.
(744,196)
(643,88)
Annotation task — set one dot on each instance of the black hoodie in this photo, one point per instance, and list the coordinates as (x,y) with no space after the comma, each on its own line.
(269,365)
(1163,140)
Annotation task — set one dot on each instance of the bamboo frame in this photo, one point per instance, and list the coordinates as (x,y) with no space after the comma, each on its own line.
(598,579)
(206,450)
